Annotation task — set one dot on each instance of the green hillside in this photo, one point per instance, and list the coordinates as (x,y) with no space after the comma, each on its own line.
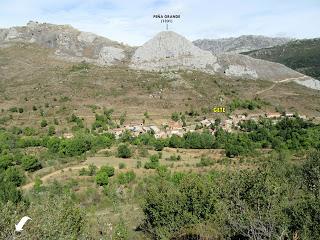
(301,55)
(64,164)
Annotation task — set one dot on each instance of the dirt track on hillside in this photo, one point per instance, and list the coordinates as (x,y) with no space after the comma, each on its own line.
(45,178)
(281,81)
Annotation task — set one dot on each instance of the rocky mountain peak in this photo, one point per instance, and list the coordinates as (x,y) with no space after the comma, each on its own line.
(167,44)
(69,43)
(165,51)
(170,50)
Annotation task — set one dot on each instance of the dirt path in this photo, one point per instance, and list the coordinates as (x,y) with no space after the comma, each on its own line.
(45,178)
(267,89)
(280,81)
(292,79)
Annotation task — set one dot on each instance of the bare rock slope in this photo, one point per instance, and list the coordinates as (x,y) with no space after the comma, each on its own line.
(240,44)
(166,51)
(69,43)
(236,65)
(171,51)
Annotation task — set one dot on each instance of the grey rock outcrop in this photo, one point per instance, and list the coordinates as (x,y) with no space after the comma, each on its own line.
(237,65)
(310,83)
(69,43)
(171,51)
(240,44)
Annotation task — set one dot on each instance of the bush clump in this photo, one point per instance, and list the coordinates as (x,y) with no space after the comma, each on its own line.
(30,163)
(124,151)
(125,178)
(102,176)
(205,162)
(174,158)
(153,162)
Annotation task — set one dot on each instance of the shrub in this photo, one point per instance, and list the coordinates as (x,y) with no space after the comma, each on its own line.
(158,145)
(51,131)
(125,178)
(121,232)
(13,109)
(103,141)
(14,175)
(171,207)
(37,184)
(122,165)
(53,144)
(175,116)
(9,192)
(122,118)
(92,169)
(204,162)
(176,142)
(143,152)
(76,146)
(83,172)
(64,99)
(163,171)
(44,123)
(153,163)
(16,130)
(107,169)
(56,212)
(31,163)
(28,131)
(124,151)
(233,150)
(199,140)
(55,121)
(311,173)
(102,176)
(139,164)
(174,158)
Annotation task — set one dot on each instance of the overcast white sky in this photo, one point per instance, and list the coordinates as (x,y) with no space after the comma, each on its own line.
(131,21)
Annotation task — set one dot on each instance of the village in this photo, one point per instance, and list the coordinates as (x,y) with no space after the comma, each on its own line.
(170,128)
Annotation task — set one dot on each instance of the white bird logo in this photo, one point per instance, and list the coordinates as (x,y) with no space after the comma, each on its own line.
(20,225)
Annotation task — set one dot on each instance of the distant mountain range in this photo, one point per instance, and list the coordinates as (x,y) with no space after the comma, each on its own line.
(240,44)
(79,72)
(301,55)
(166,51)
(170,51)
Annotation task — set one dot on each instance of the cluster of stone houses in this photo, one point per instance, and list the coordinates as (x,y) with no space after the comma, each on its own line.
(233,121)
(166,130)
(176,128)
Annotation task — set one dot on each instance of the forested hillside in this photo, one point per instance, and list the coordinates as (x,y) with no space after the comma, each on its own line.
(301,55)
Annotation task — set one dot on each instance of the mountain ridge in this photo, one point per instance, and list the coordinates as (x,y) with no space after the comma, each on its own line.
(239,44)
(302,55)
(69,43)
(166,51)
